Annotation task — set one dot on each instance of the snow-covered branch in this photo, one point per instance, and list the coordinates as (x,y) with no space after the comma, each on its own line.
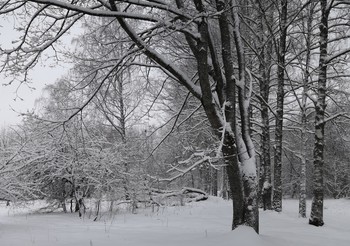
(95,10)
(336,55)
(187,170)
(341,114)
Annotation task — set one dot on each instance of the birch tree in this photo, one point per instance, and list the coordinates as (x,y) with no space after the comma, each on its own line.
(306,78)
(265,57)
(316,217)
(303,60)
(277,183)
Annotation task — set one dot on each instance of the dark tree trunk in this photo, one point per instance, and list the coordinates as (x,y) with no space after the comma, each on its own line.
(71,205)
(77,207)
(277,184)
(64,207)
(234,178)
(214,181)
(229,149)
(316,217)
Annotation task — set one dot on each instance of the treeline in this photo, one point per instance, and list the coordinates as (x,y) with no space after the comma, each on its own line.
(242,99)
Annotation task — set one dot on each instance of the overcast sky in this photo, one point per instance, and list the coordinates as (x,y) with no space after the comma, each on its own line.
(13,99)
(9,101)
(22,99)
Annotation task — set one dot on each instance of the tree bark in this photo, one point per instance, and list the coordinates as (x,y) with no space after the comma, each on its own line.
(316,217)
(229,148)
(245,146)
(277,184)
(234,177)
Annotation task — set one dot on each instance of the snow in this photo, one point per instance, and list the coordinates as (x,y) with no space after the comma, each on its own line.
(91,10)
(203,223)
(266,185)
(249,167)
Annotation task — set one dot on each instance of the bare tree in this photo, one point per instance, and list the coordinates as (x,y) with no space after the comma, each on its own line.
(277,183)
(214,82)
(306,78)
(265,48)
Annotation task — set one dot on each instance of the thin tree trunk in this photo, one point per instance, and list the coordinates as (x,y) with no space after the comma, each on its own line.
(214,181)
(64,207)
(316,217)
(277,184)
(264,84)
(98,205)
(302,181)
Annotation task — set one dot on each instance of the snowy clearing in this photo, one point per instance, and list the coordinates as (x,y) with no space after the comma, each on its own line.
(203,223)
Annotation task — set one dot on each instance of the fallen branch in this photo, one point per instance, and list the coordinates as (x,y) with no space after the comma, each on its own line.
(193,195)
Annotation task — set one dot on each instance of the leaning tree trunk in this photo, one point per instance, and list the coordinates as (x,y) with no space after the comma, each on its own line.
(277,184)
(316,217)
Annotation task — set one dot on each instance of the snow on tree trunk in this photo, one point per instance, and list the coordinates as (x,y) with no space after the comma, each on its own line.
(251,206)
(229,148)
(277,184)
(316,217)
(246,155)
(243,184)
(245,146)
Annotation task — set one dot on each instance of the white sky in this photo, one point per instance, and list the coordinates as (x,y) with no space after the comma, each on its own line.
(13,99)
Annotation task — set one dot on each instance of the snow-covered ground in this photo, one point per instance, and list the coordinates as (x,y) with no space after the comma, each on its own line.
(203,223)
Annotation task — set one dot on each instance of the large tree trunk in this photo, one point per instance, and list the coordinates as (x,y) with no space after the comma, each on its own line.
(235,181)
(245,146)
(243,186)
(229,148)
(277,184)
(316,217)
